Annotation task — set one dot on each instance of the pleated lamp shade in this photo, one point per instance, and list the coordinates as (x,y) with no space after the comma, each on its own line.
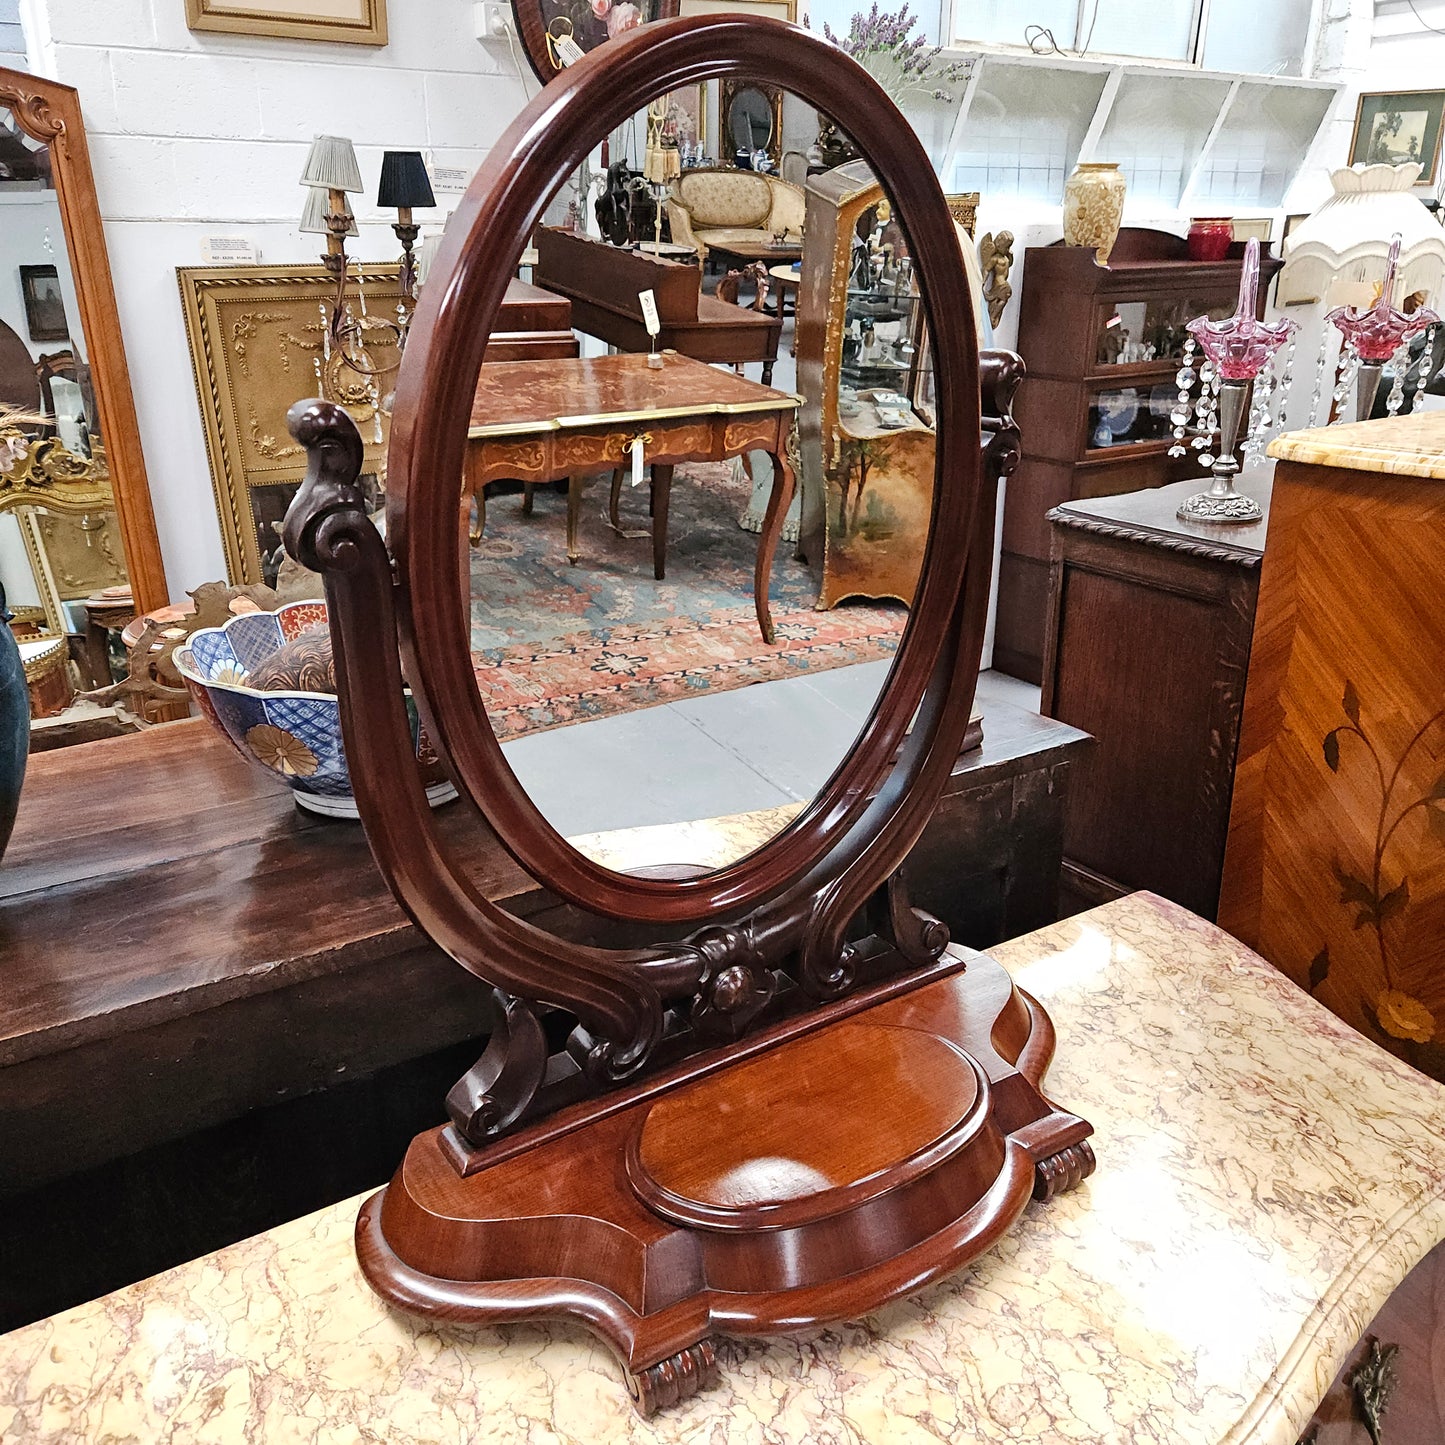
(405,184)
(313,217)
(331,163)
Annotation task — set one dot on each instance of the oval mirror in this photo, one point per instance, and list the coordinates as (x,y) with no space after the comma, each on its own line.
(750,120)
(696,583)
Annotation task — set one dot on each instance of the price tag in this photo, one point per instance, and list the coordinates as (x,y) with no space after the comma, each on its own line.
(636,460)
(568,50)
(649,313)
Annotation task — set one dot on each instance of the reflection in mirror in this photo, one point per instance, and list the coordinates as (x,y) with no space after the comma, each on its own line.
(62,561)
(619,501)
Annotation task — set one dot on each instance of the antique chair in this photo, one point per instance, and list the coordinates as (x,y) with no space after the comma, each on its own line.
(713,207)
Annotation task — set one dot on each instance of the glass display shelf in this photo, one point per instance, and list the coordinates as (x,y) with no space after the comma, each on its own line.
(1152,331)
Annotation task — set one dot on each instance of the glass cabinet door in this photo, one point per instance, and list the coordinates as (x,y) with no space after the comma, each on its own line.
(1135,333)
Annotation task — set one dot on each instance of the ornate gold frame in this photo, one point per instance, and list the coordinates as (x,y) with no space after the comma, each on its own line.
(278,20)
(963,207)
(256,335)
(728,92)
(50,113)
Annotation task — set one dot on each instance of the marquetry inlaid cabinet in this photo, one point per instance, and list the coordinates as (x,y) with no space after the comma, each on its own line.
(1335,866)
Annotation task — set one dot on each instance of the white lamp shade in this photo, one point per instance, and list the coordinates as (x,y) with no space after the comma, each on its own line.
(332,163)
(313,217)
(1344,243)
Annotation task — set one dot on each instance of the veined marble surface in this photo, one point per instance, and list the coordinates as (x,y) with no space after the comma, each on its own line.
(1411,446)
(1266,1177)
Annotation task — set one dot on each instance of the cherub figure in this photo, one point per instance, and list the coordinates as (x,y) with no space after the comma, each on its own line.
(996,256)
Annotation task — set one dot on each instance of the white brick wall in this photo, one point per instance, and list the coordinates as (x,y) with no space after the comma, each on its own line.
(195,134)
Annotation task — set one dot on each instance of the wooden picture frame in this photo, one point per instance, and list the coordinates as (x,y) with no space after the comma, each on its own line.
(44,304)
(50,113)
(1392,127)
(293,19)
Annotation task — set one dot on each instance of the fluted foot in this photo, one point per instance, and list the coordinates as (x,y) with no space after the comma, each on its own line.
(677,1378)
(1063,1171)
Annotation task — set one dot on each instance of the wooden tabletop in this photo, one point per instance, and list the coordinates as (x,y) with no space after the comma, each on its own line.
(153,873)
(521,397)
(1150,517)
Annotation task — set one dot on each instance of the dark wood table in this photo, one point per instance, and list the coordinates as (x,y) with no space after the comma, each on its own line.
(770,253)
(1147,647)
(201,980)
(539,422)
(602,283)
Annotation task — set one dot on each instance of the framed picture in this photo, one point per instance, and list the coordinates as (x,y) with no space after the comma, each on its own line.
(540,24)
(354,22)
(44,305)
(1257,228)
(1395,128)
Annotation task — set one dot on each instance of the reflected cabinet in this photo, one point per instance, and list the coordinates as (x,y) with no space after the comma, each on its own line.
(1102,345)
(865,370)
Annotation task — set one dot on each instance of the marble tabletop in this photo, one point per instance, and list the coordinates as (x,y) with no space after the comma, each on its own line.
(1410,446)
(1266,1177)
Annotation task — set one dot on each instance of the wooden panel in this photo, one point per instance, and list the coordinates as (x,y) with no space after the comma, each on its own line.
(1136,689)
(1336,862)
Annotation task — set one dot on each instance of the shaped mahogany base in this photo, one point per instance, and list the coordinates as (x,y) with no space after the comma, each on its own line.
(854,1155)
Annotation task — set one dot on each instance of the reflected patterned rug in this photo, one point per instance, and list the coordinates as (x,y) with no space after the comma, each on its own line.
(555,644)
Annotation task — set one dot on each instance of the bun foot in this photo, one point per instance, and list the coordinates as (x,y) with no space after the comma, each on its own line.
(677,1378)
(1063,1171)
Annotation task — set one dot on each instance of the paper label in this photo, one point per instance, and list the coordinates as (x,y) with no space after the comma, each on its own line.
(450,178)
(229,251)
(636,461)
(649,312)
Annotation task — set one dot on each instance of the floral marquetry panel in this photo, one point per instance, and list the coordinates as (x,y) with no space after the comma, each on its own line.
(1335,869)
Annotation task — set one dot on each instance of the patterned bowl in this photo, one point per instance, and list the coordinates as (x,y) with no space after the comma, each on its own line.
(294,734)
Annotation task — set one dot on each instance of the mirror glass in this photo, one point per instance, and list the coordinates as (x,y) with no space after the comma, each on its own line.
(62,564)
(750,120)
(618,506)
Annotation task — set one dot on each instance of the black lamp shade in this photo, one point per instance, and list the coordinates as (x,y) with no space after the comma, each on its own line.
(404,181)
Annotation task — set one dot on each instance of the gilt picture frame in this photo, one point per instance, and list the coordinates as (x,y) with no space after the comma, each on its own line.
(350,22)
(1394,127)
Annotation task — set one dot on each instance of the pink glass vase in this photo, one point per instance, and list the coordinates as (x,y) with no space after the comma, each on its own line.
(1240,347)
(1377,333)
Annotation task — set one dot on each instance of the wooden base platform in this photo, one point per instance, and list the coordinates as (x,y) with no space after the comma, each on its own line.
(843,1158)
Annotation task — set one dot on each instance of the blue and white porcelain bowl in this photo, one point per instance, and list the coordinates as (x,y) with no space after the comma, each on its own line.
(294,735)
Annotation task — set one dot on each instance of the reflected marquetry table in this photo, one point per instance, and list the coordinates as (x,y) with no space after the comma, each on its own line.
(1266,1178)
(545,421)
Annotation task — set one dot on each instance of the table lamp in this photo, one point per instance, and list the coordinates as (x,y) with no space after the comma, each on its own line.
(406,186)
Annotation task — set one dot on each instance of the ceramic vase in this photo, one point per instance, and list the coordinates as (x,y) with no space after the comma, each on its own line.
(1094,206)
(14,730)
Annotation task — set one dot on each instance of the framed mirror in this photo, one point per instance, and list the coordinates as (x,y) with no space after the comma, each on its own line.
(751,119)
(79,554)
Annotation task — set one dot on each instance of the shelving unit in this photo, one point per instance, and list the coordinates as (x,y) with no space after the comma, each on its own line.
(1094,424)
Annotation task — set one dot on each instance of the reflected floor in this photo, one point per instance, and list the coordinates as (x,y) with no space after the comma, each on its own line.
(768,746)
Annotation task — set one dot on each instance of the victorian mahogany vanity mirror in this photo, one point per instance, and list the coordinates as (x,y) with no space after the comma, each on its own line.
(777,1095)
(75,509)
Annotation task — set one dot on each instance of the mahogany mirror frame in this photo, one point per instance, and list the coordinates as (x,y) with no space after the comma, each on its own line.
(794,898)
(433,402)
(532,30)
(49,112)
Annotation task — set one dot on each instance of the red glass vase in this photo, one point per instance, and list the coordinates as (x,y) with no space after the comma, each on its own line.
(1210,237)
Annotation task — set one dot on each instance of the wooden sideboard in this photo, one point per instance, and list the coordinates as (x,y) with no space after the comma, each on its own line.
(1146,648)
(201,979)
(1335,869)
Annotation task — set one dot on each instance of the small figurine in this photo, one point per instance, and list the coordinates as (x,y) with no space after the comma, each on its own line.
(996,254)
